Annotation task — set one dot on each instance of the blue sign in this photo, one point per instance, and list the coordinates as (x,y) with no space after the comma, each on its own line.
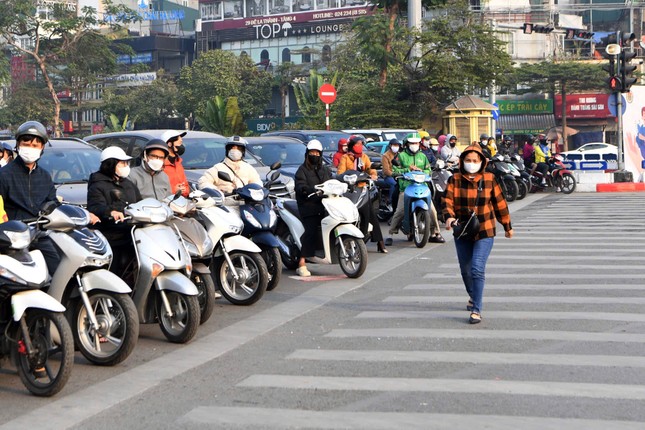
(569,164)
(145,57)
(593,165)
(495,112)
(612,103)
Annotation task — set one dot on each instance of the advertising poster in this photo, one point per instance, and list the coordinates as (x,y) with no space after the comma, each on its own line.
(634,132)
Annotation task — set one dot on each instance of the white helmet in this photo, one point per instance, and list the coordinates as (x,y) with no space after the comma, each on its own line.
(114,152)
(314,144)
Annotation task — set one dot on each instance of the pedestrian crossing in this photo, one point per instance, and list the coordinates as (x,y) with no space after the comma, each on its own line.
(561,346)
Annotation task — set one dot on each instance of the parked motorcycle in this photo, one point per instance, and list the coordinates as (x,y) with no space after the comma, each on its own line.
(200,249)
(524,183)
(505,178)
(441,173)
(416,200)
(557,176)
(362,191)
(342,241)
(163,291)
(99,307)
(237,266)
(34,332)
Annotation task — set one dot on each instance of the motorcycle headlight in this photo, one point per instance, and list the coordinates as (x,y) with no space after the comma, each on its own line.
(251,219)
(192,249)
(257,195)
(19,239)
(273,218)
(98,260)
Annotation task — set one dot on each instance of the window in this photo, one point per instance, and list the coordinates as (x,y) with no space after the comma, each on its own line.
(211,11)
(286,55)
(306,55)
(326,54)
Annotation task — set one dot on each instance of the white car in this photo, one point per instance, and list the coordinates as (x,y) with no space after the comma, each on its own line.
(592,152)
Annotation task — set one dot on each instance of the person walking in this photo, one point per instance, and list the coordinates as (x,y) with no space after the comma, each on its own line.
(474,189)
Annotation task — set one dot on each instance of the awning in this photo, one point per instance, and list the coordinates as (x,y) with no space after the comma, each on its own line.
(525,123)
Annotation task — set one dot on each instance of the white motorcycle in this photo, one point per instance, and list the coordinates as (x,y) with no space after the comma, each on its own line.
(33,328)
(342,241)
(100,310)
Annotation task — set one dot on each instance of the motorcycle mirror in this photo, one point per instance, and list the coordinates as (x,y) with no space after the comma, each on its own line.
(224,176)
(276,165)
(274,175)
(177,195)
(49,207)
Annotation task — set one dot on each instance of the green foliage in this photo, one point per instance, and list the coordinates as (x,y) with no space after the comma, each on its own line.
(223,117)
(311,108)
(28,101)
(115,125)
(554,77)
(222,73)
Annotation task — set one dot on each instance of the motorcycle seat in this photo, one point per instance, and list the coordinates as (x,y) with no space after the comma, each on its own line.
(292,206)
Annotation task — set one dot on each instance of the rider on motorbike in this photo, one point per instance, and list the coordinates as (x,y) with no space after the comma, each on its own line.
(412,159)
(392,153)
(449,152)
(149,177)
(173,166)
(542,154)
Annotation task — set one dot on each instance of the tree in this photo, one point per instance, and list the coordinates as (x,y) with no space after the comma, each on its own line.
(563,77)
(283,79)
(222,116)
(222,73)
(28,101)
(50,40)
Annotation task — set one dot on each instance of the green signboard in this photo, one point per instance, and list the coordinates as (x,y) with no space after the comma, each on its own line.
(519,107)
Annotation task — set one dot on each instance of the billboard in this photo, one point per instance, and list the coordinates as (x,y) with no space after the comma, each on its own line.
(634,132)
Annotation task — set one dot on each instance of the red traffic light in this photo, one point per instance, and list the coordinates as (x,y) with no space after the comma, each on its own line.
(614,83)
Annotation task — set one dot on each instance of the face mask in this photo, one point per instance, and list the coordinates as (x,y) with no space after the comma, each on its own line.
(313,159)
(435,148)
(179,150)
(29,155)
(472,167)
(155,165)
(122,171)
(394,149)
(235,154)
(3,162)
(414,148)
(452,144)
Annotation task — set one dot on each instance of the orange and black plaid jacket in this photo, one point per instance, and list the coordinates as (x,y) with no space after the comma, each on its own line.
(461,197)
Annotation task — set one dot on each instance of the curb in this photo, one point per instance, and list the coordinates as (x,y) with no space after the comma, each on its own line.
(620,187)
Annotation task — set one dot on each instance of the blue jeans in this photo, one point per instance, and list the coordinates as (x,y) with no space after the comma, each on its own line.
(391,182)
(472,262)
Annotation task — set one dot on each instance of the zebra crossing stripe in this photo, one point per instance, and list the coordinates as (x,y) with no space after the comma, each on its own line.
(515,276)
(513,315)
(546,335)
(461,357)
(521,299)
(431,385)
(280,418)
(567,267)
(523,286)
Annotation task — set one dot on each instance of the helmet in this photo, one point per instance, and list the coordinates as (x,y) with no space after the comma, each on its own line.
(237,141)
(353,140)
(6,146)
(314,144)
(424,134)
(114,152)
(156,144)
(483,136)
(33,128)
(434,142)
(394,141)
(171,134)
(412,138)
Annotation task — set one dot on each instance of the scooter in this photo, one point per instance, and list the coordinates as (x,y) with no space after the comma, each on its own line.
(362,192)
(416,200)
(200,248)
(522,177)
(237,266)
(557,176)
(342,241)
(34,332)
(100,310)
(163,291)
(505,178)
(441,173)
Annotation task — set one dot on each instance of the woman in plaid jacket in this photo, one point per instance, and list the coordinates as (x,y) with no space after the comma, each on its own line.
(475,189)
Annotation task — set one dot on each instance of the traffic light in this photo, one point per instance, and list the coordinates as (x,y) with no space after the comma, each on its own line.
(572,33)
(614,84)
(529,28)
(627,70)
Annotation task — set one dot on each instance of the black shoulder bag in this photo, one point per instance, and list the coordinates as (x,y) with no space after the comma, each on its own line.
(467,227)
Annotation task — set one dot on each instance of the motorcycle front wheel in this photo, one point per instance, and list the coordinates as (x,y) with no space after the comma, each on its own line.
(252,277)
(272,259)
(511,190)
(522,189)
(206,294)
(47,370)
(354,261)
(567,183)
(181,326)
(118,329)
(421,227)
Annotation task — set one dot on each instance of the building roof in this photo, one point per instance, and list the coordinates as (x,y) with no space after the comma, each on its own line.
(469,103)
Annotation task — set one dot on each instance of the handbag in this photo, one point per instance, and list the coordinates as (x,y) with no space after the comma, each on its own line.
(467,227)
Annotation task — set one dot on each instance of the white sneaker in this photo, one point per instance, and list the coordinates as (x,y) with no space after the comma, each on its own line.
(217,295)
(303,272)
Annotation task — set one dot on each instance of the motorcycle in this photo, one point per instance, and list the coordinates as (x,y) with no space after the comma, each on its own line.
(557,176)
(362,192)
(237,267)
(342,241)
(163,291)
(200,249)
(441,173)
(99,307)
(416,200)
(34,332)
(524,183)
(505,178)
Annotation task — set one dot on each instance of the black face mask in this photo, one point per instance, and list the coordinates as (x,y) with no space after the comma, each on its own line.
(179,150)
(452,144)
(313,159)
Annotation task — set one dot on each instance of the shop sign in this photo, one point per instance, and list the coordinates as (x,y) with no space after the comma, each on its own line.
(584,106)
(519,107)
(132,79)
(264,125)
(145,57)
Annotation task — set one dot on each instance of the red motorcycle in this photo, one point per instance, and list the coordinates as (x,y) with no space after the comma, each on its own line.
(558,177)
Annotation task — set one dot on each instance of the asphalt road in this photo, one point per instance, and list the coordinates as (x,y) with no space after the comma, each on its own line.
(560,345)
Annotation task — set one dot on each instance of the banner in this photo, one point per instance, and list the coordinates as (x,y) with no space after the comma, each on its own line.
(584,106)
(634,132)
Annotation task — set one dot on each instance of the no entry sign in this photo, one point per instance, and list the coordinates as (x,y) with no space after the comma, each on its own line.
(327,93)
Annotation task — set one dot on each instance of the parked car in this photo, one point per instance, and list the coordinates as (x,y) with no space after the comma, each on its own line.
(70,161)
(595,151)
(203,151)
(289,151)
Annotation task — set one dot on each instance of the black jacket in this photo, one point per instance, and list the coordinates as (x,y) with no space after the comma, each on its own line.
(101,201)
(306,178)
(25,191)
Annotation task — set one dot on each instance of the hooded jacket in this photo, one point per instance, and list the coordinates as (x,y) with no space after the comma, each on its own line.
(447,152)
(176,174)
(462,196)
(307,176)
(338,155)
(348,162)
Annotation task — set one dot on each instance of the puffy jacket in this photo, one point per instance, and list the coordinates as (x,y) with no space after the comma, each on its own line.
(306,178)
(542,153)
(241,172)
(155,185)
(386,162)
(408,159)
(25,191)
(349,162)
(176,175)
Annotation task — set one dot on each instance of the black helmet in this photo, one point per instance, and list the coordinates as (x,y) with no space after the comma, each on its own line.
(156,144)
(236,141)
(32,128)
(394,141)
(483,136)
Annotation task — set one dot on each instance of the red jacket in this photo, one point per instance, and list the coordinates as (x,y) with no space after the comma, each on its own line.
(176,174)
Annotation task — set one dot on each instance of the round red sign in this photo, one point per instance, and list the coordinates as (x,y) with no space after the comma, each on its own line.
(327,93)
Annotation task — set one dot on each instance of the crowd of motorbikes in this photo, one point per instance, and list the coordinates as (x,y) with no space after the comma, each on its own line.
(187,249)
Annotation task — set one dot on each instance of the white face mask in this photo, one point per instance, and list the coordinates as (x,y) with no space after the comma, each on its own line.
(155,165)
(414,148)
(235,154)
(29,155)
(3,162)
(122,171)
(472,167)
(394,149)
